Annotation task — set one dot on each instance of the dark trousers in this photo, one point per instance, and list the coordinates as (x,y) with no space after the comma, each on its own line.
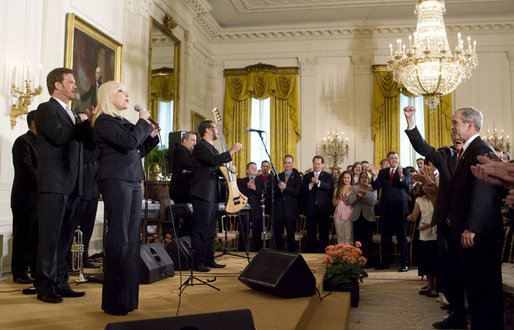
(257,227)
(25,240)
(87,217)
(396,224)
(363,232)
(450,279)
(122,201)
(481,267)
(317,219)
(55,214)
(204,230)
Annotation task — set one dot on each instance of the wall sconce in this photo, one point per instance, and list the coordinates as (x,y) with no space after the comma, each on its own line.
(335,144)
(23,92)
(497,139)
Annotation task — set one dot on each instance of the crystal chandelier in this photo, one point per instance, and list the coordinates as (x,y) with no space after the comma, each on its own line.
(428,67)
(335,145)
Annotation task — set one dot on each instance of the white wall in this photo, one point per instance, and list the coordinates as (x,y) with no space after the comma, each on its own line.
(335,83)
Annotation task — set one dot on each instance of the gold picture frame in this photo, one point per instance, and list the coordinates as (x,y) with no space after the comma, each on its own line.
(87,49)
(196,119)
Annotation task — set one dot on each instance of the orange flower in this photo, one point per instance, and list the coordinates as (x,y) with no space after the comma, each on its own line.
(358,244)
(362,261)
(168,235)
(353,260)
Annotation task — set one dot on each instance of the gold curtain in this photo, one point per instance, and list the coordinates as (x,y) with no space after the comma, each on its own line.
(438,122)
(162,89)
(385,130)
(260,82)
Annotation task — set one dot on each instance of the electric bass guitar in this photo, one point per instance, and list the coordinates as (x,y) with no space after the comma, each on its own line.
(236,200)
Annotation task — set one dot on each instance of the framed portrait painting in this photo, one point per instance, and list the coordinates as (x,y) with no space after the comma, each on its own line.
(94,57)
(196,119)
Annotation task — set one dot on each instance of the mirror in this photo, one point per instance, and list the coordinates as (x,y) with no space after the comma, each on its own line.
(164,76)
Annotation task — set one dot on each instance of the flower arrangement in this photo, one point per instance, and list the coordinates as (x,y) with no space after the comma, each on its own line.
(345,263)
(165,240)
(220,244)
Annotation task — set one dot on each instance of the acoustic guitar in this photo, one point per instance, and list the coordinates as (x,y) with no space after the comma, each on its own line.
(236,201)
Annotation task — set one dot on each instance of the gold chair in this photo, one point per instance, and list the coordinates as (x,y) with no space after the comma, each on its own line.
(230,229)
(410,240)
(377,239)
(266,231)
(300,233)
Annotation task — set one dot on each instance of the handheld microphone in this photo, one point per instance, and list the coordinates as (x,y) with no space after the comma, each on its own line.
(137,107)
(255,130)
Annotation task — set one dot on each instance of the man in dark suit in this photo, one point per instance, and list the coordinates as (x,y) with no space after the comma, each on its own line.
(476,227)
(204,192)
(267,176)
(317,187)
(59,143)
(24,204)
(449,278)
(287,194)
(394,182)
(182,169)
(252,187)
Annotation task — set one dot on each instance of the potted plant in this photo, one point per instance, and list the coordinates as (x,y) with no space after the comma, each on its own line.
(345,268)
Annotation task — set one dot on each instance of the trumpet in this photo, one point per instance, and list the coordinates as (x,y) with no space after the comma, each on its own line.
(77,253)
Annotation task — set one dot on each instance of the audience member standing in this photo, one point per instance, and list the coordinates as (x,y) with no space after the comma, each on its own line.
(121,145)
(318,203)
(287,194)
(24,204)
(252,187)
(450,277)
(59,142)
(394,182)
(476,225)
(363,199)
(343,209)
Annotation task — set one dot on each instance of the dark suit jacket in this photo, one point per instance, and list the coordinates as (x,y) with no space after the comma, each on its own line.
(320,196)
(59,145)
(206,164)
(444,159)
(24,158)
(289,198)
(475,204)
(122,145)
(89,186)
(254,196)
(182,173)
(393,199)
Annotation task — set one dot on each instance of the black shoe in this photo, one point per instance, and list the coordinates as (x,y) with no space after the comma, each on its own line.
(69,293)
(213,264)
(380,267)
(451,323)
(50,298)
(31,290)
(23,279)
(446,307)
(403,269)
(423,292)
(201,268)
(90,265)
(432,295)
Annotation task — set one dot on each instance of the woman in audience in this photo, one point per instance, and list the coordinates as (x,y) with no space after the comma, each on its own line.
(121,145)
(336,173)
(357,169)
(363,199)
(428,264)
(343,210)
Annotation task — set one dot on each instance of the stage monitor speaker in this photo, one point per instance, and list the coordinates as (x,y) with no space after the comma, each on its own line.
(156,264)
(281,273)
(237,319)
(184,246)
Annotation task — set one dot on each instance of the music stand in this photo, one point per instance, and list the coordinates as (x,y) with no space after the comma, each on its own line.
(192,277)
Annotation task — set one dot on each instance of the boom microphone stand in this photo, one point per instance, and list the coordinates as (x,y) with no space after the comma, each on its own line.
(272,186)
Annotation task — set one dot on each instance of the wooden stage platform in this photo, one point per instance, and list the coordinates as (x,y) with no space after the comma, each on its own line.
(160,299)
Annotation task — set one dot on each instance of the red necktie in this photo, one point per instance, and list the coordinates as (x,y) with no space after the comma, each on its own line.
(459,154)
(391,176)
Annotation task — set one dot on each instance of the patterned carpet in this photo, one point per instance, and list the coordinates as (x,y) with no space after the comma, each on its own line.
(390,300)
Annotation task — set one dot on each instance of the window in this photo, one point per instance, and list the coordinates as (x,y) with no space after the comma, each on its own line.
(260,119)
(165,119)
(408,155)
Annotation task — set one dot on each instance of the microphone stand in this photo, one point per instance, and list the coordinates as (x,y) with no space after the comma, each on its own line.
(272,186)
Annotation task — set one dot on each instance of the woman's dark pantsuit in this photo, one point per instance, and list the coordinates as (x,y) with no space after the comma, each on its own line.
(122,247)
(363,232)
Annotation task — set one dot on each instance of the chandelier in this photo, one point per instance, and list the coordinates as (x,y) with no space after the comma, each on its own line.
(428,67)
(335,145)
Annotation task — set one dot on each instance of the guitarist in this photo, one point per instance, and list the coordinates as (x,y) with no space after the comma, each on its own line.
(204,190)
